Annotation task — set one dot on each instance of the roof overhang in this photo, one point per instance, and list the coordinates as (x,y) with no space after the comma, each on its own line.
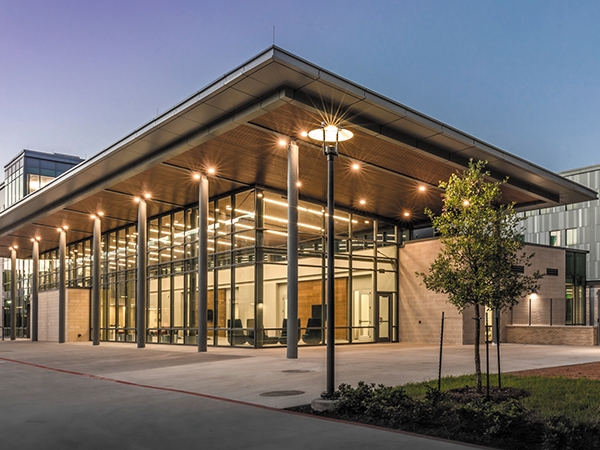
(235,124)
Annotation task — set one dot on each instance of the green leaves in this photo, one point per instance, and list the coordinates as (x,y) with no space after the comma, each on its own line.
(481,241)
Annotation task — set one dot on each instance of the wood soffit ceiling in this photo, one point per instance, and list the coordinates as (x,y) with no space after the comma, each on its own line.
(396,151)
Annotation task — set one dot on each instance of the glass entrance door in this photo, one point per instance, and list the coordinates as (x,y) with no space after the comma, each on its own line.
(384,329)
(362,313)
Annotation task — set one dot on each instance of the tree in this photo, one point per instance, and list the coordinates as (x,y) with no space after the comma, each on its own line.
(481,243)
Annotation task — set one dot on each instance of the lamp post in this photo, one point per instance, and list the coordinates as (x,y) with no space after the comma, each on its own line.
(330,136)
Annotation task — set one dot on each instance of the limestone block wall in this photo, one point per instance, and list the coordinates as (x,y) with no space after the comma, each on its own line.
(548,305)
(78,315)
(48,316)
(77,323)
(420,310)
(552,335)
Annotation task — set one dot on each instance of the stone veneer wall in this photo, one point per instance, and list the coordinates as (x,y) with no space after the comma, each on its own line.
(48,316)
(78,315)
(552,290)
(555,335)
(420,309)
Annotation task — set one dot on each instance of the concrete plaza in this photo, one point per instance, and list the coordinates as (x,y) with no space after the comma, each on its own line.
(57,396)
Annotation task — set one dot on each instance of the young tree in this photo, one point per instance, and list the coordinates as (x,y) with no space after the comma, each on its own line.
(481,242)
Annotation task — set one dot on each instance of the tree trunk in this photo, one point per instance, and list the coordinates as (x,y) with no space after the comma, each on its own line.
(476,345)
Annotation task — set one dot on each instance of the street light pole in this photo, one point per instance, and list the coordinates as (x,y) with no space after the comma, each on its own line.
(330,135)
(331,153)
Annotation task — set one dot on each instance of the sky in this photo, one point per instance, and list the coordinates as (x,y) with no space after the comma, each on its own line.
(523,75)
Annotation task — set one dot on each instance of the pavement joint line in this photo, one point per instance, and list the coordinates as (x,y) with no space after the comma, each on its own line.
(237,402)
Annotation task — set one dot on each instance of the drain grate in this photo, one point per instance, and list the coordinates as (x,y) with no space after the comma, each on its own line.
(297,371)
(281,393)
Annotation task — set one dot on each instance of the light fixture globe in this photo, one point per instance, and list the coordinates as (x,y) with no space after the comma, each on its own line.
(330,134)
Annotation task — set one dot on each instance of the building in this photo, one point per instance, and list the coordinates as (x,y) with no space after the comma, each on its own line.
(207,192)
(24,174)
(574,226)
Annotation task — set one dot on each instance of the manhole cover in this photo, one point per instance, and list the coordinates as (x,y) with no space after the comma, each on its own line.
(280,393)
(297,371)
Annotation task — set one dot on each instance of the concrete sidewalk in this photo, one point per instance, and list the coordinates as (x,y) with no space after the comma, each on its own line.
(80,396)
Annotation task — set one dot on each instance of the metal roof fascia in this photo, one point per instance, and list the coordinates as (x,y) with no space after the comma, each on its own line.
(29,206)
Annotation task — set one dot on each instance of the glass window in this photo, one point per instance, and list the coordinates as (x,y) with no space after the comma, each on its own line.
(572,236)
(555,238)
(44,164)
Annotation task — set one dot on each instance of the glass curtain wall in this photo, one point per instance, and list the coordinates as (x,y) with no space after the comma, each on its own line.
(23,300)
(575,289)
(247,249)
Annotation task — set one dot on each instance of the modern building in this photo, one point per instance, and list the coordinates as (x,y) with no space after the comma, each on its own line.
(24,174)
(574,226)
(218,210)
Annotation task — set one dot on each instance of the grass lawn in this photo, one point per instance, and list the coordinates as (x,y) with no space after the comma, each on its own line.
(577,399)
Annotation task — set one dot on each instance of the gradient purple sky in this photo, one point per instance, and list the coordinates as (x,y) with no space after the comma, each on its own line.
(76,76)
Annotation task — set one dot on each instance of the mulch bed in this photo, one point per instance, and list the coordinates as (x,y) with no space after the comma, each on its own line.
(590,371)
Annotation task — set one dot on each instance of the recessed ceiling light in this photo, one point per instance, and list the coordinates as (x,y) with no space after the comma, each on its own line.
(422,188)
(355,166)
(363,201)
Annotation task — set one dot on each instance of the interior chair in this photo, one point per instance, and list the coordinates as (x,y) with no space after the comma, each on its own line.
(314,332)
(235,334)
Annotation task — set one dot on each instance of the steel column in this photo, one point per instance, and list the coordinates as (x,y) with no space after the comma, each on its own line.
(140,298)
(292,252)
(35,287)
(13,293)
(62,285)
(96,281)
(203,264)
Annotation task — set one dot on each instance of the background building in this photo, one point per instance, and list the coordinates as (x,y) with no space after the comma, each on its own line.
(27,172)
(574,226)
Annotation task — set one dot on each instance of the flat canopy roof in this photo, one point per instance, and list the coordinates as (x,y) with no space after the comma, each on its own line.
(235,124)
